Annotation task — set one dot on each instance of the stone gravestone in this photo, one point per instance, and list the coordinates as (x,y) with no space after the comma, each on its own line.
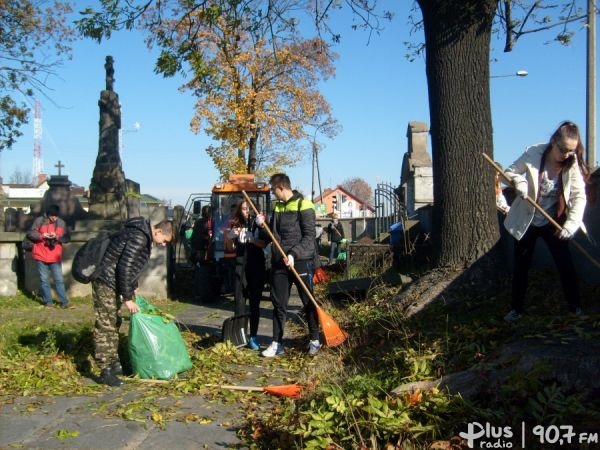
(416,177)
(11,219)
(59,193)
(133,198)
(108,187)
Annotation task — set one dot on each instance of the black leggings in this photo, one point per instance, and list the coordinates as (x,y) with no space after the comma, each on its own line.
(249,282)
(561,255)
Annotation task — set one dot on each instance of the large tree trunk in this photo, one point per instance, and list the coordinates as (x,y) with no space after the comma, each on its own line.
(457,39)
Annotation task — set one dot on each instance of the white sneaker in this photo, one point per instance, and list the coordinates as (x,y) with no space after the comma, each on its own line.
(275,349)
(314,347)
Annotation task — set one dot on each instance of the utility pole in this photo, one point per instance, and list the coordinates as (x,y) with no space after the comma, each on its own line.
(591,85)
(315,165)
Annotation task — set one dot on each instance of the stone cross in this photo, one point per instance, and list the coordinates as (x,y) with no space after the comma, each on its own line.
(60,166)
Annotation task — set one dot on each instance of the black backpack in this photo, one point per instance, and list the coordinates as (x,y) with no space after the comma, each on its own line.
(87,263)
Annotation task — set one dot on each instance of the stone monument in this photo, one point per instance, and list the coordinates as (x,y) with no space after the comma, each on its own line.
(59,193)
(416,179)
(108,186)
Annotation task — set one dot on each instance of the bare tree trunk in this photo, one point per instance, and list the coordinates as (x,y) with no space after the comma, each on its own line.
(252,144)
(457,38)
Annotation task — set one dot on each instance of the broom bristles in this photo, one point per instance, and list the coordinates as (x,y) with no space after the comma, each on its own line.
(287,390)
(333,334)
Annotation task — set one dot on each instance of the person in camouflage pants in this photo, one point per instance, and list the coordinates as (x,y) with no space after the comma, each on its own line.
(108,318)
(122,263)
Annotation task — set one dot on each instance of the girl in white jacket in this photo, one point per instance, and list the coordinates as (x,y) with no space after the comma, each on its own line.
(552,174)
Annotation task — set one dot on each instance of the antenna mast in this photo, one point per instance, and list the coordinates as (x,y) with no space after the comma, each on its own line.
(38,165)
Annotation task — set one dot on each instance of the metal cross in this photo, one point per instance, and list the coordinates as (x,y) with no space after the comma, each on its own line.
(60,166)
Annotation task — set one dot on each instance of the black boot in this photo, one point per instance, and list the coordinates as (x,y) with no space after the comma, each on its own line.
(109,378)
(116,368)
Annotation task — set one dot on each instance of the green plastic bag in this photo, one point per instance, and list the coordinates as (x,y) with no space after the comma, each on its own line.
(156,348)
(342,256)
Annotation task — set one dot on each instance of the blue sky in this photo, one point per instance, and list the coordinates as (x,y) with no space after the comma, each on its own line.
(375,94)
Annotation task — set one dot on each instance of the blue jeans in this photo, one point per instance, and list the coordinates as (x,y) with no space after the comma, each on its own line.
(44,270)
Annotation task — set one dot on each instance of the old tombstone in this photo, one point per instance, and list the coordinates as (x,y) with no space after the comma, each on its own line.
(416,177)
(11,219)
(59,193)
(108,186)
(133,198)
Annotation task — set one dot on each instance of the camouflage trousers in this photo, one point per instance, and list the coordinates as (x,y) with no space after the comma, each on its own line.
(107,306)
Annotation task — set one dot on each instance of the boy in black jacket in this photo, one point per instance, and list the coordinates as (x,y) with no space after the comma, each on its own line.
(125,257)
(293,225)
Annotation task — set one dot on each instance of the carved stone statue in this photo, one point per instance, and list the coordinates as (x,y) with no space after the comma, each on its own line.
(107,188)
(110,72)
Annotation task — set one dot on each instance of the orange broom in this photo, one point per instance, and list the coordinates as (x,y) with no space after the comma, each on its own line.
(285,390)
(333,334)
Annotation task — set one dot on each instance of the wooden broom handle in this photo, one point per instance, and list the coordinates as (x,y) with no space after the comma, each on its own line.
(240,388)
(541,210)
(528,198)
(276,244)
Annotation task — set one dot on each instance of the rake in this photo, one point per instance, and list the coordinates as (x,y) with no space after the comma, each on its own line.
(333,334)
(285,390)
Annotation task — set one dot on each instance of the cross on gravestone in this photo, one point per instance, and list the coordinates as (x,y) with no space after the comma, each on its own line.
(60,166)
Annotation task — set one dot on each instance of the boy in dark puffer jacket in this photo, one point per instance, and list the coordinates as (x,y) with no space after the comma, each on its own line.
(122,264)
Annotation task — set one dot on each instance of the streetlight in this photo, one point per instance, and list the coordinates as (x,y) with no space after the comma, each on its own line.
(518,73)
(135,129)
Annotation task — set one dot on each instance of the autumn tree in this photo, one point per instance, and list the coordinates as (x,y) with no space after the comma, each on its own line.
(359,188)
(34,38)
(256,89)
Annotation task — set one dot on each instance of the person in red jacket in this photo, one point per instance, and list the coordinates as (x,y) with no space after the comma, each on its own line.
(49,233)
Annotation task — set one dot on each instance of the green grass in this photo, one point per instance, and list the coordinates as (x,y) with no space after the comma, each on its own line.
(46,352)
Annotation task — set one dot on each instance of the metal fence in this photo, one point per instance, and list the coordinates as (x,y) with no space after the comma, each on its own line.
(388,209)
(366,260)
